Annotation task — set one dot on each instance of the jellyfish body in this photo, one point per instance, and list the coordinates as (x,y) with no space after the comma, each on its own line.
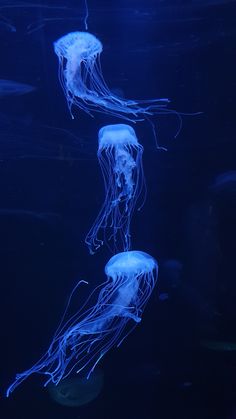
(81,78)
(120,158)
(14,88)
(224,183)
(81,341)
(77,391)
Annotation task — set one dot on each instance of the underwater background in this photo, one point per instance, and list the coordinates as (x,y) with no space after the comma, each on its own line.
(180,362)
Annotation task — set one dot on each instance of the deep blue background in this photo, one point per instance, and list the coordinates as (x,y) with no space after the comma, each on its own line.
(51,190)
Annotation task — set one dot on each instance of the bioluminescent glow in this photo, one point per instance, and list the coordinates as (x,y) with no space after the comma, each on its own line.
(14,88)
(81,341)
(224,183)
(81,78)
(120,158)
(77,391)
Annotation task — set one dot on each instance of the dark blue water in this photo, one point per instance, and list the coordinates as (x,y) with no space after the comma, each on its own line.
(181,361)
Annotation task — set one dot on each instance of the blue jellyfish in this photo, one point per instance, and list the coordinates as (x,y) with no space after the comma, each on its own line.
(120,158)
(77,391)
(14,88)
(80,342)
(224,183)
(81,78)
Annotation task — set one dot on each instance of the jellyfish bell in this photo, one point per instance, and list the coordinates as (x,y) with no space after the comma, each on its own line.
(81,78)
(14,88)
(133,262)
(77,391)
(115,135)
(77,45)
(224,183)
(82,340)
(120,158)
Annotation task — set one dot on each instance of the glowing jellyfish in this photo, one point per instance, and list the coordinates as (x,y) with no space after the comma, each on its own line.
(81,341)
(81,78)
(224,183)
(13,88)
(77,391)
(120,159)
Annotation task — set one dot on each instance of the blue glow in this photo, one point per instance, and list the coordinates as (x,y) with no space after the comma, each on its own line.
(81,78)
(120,158)
(224,182)
(86,15)
(14,88)
(77,391)
(81,341)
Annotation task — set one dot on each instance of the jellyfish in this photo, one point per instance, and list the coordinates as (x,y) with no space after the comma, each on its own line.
(14,88)
(82,340)
(77,391)
(81,78)
(224,183)
(120,159)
